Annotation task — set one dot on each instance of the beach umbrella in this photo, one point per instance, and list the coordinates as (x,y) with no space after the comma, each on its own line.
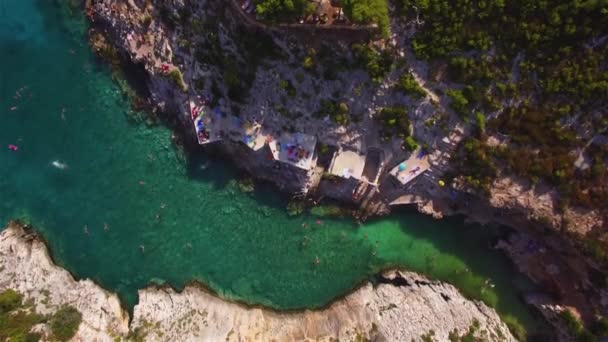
(402,167)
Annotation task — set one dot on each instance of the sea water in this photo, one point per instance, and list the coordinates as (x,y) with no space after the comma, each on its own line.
(120,204)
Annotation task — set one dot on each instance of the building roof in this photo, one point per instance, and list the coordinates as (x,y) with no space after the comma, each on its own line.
(347,164)
(411,168)
(296,149)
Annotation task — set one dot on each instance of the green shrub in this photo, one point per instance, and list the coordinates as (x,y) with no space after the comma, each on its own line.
(368,12)
(176,76)
(410,143)
(516,328)
(282,11)
(407,84)
(395,121)
(575,327)
(65,323)
(377,64)
(15,323)
(480,122)
(338,112)
(308,63)
(9,301)
(459,103)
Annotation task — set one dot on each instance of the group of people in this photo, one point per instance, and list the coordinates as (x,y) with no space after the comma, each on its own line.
(201,132)
(295,153)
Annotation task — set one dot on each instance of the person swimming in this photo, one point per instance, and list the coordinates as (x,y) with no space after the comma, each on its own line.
(13,148)
(59,165)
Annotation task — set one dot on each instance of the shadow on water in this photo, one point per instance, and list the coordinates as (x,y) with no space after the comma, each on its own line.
(495,275)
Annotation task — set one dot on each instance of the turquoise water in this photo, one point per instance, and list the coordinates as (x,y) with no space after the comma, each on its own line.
(187,212)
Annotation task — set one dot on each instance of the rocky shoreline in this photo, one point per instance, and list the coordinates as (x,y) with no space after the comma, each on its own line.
(402,307)
(138,34)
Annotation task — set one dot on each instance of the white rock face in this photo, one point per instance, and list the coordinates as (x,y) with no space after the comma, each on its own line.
(25,266)
(388,312)
(405,306)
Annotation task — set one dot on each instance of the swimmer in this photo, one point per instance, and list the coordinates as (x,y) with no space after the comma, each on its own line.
(59,165)
(142,248)
(105,227)
(14,108)
(163,205)
(13,148)
(86,229)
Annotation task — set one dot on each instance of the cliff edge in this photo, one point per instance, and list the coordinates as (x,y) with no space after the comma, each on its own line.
(402,307)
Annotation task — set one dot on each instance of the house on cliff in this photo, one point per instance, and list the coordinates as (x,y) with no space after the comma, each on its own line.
(354,176)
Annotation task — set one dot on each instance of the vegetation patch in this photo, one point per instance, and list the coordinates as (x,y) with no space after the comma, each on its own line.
(542,67)
(395,122)
(337,111)
(408,85)
(368,12)
(176,76)
(376,63)
(17,320)
(65,322)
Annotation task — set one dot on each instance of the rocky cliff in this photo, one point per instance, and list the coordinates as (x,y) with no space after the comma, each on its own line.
(25,266)
(202,52)
(402,307)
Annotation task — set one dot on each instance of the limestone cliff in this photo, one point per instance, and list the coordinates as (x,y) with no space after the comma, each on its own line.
(404,306)
(25,266)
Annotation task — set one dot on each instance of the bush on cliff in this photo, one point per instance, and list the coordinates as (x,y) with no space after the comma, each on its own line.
(377,64)
(15,320)
(176,76)
(9,301)
(65,323)
(408,85)
(395,122)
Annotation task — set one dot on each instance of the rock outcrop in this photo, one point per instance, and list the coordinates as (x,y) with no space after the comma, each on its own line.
(26,267)
(402,307)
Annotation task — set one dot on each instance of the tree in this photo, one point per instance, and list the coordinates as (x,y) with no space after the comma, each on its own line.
(283,10)
(368,12)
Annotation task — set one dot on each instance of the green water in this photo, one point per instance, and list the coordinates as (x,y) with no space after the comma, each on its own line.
(188,213)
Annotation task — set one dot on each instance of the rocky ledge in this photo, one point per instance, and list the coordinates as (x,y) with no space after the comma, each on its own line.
(402,307)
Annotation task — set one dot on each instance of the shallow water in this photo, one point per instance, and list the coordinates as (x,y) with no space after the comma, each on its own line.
(189,215)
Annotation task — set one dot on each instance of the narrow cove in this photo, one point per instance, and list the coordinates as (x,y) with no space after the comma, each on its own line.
(129,208)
